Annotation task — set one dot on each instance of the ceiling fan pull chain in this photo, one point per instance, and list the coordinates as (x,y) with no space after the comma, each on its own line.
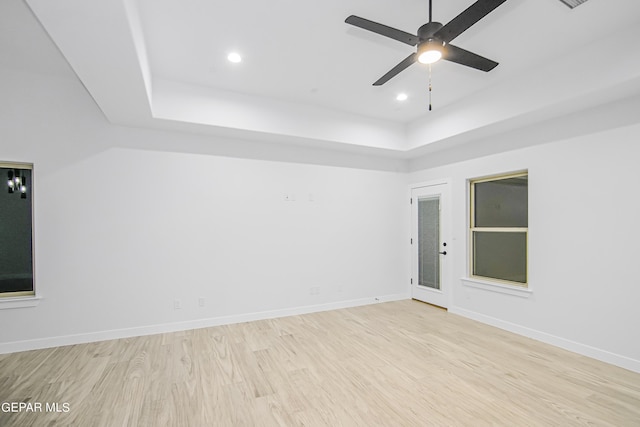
(429,87)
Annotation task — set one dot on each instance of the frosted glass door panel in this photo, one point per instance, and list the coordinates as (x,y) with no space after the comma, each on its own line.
(429,242)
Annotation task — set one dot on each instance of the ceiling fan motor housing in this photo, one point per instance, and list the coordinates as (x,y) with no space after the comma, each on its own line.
(428,30)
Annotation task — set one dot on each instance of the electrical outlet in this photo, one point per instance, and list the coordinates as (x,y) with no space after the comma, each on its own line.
(201,301)
(177,304)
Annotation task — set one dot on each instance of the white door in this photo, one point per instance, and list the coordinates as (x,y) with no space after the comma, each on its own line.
(430,244)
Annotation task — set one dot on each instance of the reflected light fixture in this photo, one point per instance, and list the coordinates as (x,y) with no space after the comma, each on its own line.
(402,97)
(430,51)
(17,182)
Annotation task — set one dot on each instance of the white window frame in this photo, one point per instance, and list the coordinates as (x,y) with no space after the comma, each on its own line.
(491,283)
(9,300)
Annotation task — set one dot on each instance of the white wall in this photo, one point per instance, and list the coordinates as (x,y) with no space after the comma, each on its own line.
(583,248)
(128,220)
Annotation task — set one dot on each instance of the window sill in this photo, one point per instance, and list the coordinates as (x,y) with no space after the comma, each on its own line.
(488,285)
(19,302)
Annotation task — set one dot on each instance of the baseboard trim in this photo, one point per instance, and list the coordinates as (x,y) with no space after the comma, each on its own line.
(36,344)
(576,347)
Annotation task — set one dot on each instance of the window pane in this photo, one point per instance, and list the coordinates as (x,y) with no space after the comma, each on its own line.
(500,255)
(428,242)
(501,203)
(16,264)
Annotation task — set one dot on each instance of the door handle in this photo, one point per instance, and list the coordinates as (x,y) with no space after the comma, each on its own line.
(443,253)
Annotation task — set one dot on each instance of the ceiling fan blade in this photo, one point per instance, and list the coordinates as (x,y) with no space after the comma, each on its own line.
(383,30)
(464,57)
(397,69)
(466,19)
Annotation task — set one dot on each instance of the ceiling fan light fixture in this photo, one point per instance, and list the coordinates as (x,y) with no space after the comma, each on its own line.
(234,57)
(429,57)
(430,51)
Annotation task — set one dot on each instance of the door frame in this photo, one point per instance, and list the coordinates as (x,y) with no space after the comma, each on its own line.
(446,266)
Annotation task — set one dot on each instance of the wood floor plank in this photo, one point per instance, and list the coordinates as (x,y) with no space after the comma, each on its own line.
(400,363)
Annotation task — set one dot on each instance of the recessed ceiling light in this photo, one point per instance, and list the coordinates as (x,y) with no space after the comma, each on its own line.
(402,97)
(234,57)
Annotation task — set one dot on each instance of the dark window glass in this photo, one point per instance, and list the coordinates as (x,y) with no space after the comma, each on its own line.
(501,203)
(500,255)
(16,259)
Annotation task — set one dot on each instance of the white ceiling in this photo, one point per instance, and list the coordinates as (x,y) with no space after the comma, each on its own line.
(306,75)
(302,51)
(24,45)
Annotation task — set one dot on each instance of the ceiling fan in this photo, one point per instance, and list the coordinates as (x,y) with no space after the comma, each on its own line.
(433,39)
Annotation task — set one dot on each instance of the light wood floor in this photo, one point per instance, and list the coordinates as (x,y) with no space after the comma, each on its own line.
(394,364)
